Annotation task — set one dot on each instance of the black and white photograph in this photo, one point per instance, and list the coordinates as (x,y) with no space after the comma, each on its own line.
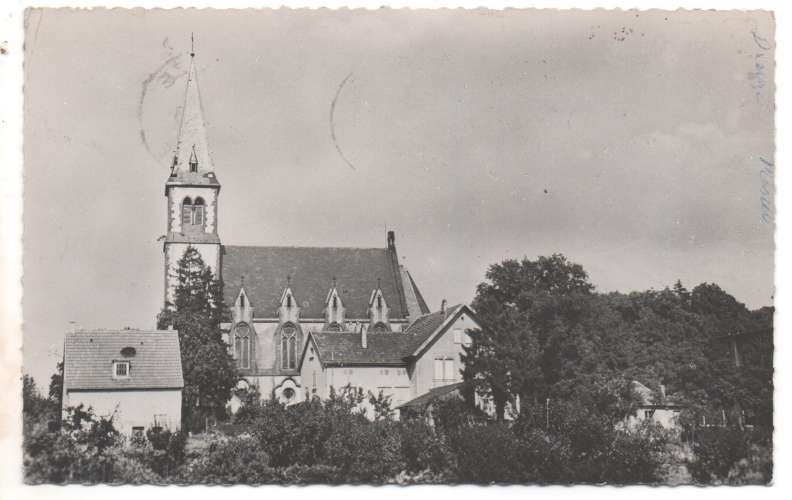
(398,247)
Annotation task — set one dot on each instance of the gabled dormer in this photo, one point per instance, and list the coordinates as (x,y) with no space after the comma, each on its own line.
(289,311)
(243,309)
(378,311)
(334,310)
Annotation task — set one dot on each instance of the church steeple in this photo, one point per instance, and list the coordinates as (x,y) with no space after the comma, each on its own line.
(192,147)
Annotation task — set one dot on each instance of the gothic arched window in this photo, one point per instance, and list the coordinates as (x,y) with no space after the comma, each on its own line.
(380,328)
(289,347)
(242,345)
(333,327)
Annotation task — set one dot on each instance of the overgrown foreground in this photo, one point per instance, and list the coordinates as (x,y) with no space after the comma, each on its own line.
(331,442)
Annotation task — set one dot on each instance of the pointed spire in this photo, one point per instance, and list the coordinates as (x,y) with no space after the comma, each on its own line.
(192,130)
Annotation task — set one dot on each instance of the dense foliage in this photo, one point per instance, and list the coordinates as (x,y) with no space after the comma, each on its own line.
(549,335)
(196,312)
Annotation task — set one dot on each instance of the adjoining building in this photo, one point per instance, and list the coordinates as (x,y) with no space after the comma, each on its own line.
(132,375)
(656,408)
(403,366)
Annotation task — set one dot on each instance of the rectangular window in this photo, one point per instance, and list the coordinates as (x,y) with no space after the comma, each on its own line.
(458,336)
(120,369)
(438,369)
(448,369)
(444,369)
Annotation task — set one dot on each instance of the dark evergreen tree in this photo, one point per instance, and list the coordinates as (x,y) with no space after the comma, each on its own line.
(196,313)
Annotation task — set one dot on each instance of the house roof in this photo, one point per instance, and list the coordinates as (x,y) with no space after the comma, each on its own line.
(647,396)
(431,396)
(309,271)
(89,356)
(393,348)
(345,348)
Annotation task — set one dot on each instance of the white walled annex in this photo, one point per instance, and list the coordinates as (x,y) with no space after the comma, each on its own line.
(131,408)
(446,347)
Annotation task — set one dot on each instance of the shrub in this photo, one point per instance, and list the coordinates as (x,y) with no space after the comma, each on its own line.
(730,455)
(230,460)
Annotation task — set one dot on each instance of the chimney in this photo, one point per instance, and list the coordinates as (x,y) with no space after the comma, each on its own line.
(443,306)
(662,392)
(363,335)
(391,239)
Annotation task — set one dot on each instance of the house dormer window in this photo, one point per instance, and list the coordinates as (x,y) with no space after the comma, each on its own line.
(120,369)
(378,310)
(334,312)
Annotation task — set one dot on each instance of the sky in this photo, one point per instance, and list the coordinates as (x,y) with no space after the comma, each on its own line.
(631,142)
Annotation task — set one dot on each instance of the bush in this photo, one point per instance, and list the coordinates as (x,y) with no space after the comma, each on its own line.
(237,460)
(423,449)
(731,456)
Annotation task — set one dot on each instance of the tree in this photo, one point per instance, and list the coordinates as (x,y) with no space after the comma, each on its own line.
(196,312)
(527,308)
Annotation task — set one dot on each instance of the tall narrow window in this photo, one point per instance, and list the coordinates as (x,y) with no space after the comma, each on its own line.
(198,212)
(187,211)
(289,347)
(242,345)
(292,353)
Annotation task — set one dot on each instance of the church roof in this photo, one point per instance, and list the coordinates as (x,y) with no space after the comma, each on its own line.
(309,271)
(155,361)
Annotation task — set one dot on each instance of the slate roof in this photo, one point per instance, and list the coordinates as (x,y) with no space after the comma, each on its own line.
(336,349)
(391,348)
(89,356)
(265,272)
(433,395)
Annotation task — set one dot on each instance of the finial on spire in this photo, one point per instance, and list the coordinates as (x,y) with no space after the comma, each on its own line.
(334,281)
(379,282)
(192,45)
(288,279)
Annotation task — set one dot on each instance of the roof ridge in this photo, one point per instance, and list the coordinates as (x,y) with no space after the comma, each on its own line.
(117,330)
(292,247)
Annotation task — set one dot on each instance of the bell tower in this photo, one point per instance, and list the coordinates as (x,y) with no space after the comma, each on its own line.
(192,189)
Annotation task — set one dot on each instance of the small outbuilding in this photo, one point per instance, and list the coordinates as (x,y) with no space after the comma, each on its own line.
(133,375)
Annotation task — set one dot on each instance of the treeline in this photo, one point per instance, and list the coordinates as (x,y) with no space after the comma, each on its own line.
(549,334)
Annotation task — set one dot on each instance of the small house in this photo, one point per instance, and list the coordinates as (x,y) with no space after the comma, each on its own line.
(132,375)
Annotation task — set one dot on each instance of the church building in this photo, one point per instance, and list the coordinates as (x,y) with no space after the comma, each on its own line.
(281,296)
